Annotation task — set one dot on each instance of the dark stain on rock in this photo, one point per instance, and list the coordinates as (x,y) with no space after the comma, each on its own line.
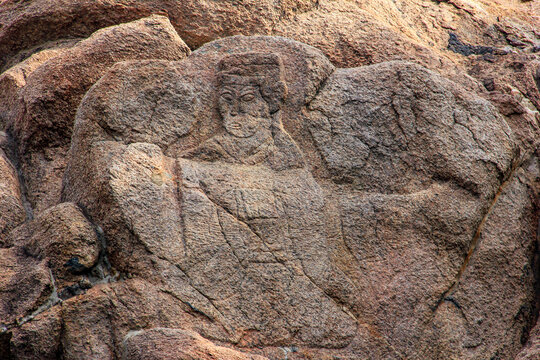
(5,350)
(74,265)
(458,46)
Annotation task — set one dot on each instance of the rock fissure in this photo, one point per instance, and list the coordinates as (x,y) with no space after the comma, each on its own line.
(474,242)
(15,159)
(51,301)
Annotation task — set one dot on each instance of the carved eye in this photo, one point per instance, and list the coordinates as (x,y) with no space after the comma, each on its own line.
(227,97)
(248,97)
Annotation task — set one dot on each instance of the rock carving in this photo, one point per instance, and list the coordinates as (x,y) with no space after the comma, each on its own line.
(251,189)
(256,195)
(251,92)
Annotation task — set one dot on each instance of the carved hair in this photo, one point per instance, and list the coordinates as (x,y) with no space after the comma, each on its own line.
(256,69)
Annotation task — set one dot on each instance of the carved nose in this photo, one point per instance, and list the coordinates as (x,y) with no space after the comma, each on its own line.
(234,109)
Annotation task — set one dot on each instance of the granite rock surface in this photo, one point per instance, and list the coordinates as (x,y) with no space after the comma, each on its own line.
(269,180)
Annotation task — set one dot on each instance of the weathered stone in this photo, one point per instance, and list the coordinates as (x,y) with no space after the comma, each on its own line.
(38,339)
(350,201)
(142,183)
(12,212)
(175,344)
(26,25)
(422,129)
(417,170)
(255,200)
(15,78)
(25,284)
(62,236)
(95,323)
(531,350)
(515,91)
(179,102)
(43,122)
(494,293)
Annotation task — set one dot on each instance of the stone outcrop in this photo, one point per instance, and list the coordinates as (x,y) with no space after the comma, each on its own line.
(177,344)
(365,184)
(64,236)
(12,212)
(45,105)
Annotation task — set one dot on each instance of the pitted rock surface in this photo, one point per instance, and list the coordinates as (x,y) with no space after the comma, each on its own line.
(254,197)
(283,241)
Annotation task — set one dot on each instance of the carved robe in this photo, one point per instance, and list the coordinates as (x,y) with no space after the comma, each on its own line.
(260,234)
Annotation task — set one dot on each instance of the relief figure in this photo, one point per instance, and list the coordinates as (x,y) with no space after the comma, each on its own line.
(254,217)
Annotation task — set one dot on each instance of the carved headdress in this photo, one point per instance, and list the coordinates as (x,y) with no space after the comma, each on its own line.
(266,72)
(256,69)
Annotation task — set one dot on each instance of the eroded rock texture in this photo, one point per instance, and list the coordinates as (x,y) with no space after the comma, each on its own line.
(259,198)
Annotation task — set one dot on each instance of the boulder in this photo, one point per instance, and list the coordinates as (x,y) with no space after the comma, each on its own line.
(531,350)
(43,120)
(494,292)
(26,284)
(95,324)
(63,237)
(385,177)
(27,26)
(28,342)
(140,189)
(14,79)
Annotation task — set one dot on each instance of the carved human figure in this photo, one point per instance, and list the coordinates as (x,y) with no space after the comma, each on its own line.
(255,219)
(251,92)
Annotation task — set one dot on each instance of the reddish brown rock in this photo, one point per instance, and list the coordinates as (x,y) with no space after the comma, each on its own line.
(95,324)
(139,186)
(531,350)
(183,101)
(175,344)
(12,212)
(407,219)
(65,238)
(256,196)
(405,167)
(513,82)
(494,292)
(15,78)
(350,36)
(359,34)
(27,25)
(47,103)
(28,342)
(25,285)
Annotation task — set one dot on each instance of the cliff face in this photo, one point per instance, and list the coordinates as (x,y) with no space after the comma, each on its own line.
(269,180)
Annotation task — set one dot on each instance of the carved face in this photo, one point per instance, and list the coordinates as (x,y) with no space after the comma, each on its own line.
(243,109)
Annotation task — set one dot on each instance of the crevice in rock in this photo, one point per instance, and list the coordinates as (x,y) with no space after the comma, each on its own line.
(12,154)
(214,306)
(192,309)
(5,344)
(22,55)
(476,238)
(102,271)
(459,47)
(226,238)
(51,301)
